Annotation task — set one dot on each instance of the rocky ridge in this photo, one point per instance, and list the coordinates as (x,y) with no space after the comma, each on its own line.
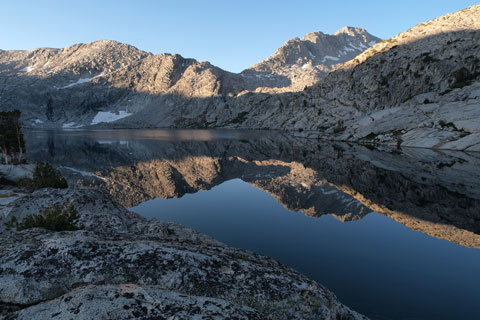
(105,81)
(305,61)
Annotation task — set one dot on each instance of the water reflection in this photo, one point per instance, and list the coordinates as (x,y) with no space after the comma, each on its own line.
(110,136)
(434,192)
(259,191)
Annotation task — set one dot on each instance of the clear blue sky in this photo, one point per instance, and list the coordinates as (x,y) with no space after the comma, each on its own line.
(230,34)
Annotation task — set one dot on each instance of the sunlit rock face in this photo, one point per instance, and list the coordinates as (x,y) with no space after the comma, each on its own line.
(436,193)
(303,62)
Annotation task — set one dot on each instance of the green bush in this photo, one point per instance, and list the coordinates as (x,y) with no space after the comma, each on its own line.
(25,182)
(45,176)
(340,127)
(370,136)
(6,182)
(241,117)
(56,218)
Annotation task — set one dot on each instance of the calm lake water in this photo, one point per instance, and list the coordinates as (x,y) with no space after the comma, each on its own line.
(395,234)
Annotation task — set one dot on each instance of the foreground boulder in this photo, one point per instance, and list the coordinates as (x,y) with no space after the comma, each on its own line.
(123,266)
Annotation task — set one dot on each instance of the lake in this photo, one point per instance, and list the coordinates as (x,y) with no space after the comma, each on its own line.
(395,234)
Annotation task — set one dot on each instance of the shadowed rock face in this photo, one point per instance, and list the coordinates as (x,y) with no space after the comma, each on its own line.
(435,56)
(436,193)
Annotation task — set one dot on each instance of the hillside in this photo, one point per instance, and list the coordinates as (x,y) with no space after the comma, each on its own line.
(100,81)
(418,89)
(105,81)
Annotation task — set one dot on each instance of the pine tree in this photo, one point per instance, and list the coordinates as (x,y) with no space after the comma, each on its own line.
(12,142)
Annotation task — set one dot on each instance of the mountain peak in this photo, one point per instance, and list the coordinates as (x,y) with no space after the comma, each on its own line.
(353,31)
(304,61)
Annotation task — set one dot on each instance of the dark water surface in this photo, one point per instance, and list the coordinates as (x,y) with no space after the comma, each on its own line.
(329,211)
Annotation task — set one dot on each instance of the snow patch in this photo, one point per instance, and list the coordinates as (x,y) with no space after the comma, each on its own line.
(311,55)
(371,43)
(269,76)
(305,66)
(329,58)
(107,116)
(70,125)
(38,121)
(80,81)
(329,192)
(84,173)
(121,142)
(28,69)
(357,48)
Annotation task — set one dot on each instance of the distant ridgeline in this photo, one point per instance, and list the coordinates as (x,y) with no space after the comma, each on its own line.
(12,143)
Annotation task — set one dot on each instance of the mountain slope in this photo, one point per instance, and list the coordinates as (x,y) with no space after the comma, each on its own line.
(418,89)
(71,86)
(105,81)
(438,55)
(305,61)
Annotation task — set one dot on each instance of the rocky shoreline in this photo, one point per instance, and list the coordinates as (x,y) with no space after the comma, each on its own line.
(124,266)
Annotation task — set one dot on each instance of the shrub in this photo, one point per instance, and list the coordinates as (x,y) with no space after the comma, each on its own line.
(370,136)
(427,58)
(340,127)
(26,183)
(399,143)
(56,218)
(444,124)
(45,176)
(240,118)
(6,182)
(461,78)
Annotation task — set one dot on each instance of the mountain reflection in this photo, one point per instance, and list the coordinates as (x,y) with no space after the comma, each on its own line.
(437,193)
